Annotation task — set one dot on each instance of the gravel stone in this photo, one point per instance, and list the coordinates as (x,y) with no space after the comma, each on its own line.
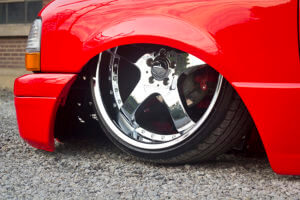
(90,167)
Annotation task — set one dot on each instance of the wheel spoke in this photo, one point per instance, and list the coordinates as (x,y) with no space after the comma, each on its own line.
(141,63)
(194,62)
(134,101)
(180,118)
(159,70)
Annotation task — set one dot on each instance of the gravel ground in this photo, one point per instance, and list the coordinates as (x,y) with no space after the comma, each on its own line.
(92,168)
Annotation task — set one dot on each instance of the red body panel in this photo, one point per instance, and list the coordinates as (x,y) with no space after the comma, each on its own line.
(245,40)
(253,44)
(37,99)
(35,119)
(277,118)
(41,85)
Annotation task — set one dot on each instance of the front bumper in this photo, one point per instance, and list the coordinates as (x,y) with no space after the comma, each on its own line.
(37,98)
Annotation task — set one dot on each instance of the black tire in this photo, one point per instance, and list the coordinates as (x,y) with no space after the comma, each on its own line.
(226,124)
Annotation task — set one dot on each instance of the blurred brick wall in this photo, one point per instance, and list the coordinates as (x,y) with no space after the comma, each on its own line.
(12,50)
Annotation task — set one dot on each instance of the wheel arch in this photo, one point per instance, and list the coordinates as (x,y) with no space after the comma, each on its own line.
(168,31)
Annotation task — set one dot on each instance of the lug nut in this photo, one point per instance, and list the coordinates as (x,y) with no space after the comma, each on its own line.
(151,80)
(166,81)
(150,62)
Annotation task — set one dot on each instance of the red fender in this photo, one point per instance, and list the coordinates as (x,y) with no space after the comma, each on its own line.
(37,98)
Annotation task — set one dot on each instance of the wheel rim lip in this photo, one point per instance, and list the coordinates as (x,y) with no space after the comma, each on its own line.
(154,146)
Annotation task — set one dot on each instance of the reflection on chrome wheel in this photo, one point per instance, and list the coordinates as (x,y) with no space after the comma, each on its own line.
(151,100)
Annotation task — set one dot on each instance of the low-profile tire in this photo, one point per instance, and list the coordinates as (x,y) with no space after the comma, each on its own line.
(223,121)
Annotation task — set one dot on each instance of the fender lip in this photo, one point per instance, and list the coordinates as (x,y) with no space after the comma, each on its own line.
(42,84)
(37,98)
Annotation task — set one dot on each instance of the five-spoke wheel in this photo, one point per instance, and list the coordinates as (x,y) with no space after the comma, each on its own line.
(158,102)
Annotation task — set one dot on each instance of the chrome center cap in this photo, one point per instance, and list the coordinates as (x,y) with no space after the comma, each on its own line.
(160,70)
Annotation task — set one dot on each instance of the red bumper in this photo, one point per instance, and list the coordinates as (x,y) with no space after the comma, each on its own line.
(37,97)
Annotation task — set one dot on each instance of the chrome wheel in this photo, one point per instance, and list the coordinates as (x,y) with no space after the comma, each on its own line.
(179,82)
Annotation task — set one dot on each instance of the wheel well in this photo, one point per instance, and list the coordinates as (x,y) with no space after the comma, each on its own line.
(78,114)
